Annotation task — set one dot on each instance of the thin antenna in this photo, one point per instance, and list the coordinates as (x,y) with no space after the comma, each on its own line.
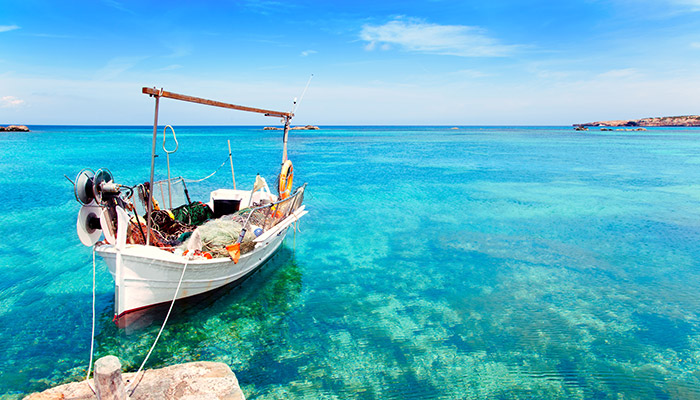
(296,103)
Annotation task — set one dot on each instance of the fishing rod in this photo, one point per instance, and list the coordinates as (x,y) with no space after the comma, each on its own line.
(296,103)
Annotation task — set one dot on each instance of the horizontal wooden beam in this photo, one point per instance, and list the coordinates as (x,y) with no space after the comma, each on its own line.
(192,99)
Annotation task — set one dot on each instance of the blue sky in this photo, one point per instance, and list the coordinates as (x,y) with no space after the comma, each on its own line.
(374,62)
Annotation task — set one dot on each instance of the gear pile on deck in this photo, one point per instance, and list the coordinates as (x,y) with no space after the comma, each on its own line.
(192,228)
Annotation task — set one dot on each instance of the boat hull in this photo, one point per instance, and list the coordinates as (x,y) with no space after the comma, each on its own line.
(145,276)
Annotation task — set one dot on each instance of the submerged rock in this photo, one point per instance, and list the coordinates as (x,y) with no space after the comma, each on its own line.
(196,380)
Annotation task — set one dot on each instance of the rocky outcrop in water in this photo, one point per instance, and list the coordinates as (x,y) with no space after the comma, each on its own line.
(14,128)
(686,120)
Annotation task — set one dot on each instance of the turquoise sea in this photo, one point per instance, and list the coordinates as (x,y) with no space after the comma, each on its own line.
(476,263)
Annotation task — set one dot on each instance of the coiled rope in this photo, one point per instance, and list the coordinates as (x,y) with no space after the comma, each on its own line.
(184,268)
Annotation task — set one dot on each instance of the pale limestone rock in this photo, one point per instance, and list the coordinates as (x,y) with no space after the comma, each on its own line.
(198,380)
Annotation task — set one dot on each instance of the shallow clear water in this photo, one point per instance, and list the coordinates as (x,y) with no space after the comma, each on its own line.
(484,262)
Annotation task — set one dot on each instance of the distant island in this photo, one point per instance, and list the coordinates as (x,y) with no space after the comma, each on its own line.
(686,120)
(14,128)
(295,128)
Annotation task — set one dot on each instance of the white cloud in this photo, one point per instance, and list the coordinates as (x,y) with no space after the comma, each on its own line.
(118,6)
(7,28)
(693,5)
(171,67)
(308,52)
(663,8)
(180,50)
(419,36)
(695,45)
(626,73)
(266,7)
(10,101)
(471,74)
(116,67)
(52,36)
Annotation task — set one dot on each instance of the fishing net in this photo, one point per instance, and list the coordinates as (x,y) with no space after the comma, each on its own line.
(195,213)
(137,231)
(177,195)
(216,234)
(192,225)
(169,227)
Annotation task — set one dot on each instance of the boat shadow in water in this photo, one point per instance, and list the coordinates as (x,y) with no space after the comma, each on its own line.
(280,274)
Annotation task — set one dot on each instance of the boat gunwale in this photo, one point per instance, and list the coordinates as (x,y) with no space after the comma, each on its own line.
(158,254)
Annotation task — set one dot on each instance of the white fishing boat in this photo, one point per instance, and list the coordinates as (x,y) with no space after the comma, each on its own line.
(148,266)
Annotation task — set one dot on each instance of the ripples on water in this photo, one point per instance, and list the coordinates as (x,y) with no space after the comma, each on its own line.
(435,263)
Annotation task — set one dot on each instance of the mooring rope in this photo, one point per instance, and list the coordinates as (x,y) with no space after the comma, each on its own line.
(184,268)
(92,338)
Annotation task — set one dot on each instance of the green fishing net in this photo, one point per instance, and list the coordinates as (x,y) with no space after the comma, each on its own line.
(195,213)
(216,234)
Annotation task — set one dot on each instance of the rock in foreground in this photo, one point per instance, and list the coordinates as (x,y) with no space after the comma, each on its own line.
(197,380)
(14,128)
(686,120)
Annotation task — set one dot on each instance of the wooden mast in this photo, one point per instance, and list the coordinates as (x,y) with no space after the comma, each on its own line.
(199,100)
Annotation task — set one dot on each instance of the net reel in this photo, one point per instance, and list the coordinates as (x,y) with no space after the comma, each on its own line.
(89,226)
(83,186)
(99,195)
(104,187)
